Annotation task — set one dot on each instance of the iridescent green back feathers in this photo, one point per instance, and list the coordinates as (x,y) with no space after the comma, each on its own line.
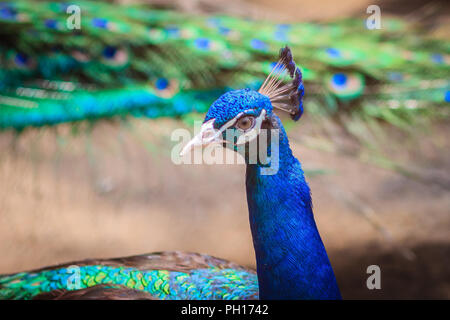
(168,275)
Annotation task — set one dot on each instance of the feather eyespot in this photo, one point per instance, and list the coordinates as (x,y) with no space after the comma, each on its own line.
(115,57)
(52,24)
(346,86)
(438,58)
(206,45)
(259,45)
(165,88)
(21,61)
(10,13)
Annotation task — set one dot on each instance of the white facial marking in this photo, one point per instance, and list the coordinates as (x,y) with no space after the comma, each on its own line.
(208,134)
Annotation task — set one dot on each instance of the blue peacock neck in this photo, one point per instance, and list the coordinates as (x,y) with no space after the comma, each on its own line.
(291,259)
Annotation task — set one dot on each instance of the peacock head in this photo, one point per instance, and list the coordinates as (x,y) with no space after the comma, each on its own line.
(237,117)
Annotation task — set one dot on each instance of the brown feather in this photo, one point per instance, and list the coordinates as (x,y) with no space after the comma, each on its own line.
(168,260)
(98,292)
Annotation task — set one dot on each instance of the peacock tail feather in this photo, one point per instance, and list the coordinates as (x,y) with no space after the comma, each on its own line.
(153,62)
(207,278)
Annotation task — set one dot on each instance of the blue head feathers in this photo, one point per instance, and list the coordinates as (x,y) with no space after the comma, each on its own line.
(246,111)
(291,259)
(233,103)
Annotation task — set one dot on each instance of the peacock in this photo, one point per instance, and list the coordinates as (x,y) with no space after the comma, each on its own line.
(154,61)
(291,259)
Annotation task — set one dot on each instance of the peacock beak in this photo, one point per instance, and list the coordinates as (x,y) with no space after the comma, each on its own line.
(207,135)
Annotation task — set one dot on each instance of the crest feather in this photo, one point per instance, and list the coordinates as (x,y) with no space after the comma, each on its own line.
(285,96)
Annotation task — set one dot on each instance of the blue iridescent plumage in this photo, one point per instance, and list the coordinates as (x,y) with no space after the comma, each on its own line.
(291,259)
(199,284)
(231,103)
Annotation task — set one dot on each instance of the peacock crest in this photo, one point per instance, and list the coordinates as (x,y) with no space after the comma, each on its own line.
(285,96)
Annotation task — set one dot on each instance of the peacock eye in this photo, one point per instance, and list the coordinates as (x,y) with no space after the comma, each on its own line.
(245,123)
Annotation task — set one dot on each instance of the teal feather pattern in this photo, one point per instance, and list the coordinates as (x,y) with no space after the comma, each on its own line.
(20,112)
(200,284)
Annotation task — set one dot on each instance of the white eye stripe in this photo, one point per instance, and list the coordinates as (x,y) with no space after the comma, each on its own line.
(232,122)
(208,134)
(213,133)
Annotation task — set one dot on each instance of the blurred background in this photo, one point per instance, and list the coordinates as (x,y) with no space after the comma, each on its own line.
(99,181)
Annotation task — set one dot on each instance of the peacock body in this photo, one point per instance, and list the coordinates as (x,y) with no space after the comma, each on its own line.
(163,276)
(154,62)
(291,259)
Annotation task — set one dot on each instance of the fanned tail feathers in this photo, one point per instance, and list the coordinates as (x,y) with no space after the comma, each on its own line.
(139,60)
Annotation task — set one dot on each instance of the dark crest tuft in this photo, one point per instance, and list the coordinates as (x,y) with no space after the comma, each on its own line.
(285,96)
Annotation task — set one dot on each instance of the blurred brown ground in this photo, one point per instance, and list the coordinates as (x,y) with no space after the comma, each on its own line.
(126,197)
(116,193)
